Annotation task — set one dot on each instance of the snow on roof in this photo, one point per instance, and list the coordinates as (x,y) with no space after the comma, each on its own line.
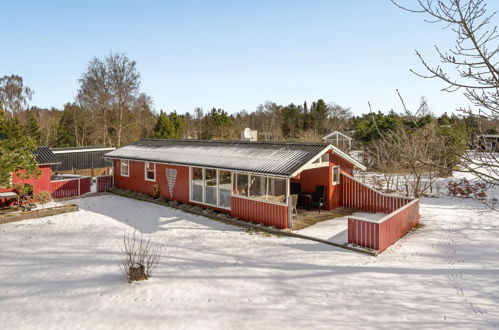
(276,158)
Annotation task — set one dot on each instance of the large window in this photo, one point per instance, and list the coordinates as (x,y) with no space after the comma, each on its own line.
(124,168)
(150,171)
(210,186)
(242,184)
(277,190)
(260,187)
(197,184)
(224,188)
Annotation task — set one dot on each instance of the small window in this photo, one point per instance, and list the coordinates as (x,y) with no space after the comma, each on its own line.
(336,175)
(325,158)
(150,169)
(124,168)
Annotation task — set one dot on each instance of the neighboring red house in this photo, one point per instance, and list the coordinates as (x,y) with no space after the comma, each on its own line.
(60,187)
(45,159)
(250,180)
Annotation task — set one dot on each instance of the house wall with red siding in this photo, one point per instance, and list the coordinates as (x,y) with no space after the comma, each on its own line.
(136,180)
(39,184)
(322,176)
(260,212)
(380,235)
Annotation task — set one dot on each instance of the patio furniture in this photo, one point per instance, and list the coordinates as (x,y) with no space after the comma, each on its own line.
(10,195)
(319,197)
(305,200)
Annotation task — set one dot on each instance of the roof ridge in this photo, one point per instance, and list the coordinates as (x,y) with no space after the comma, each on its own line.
(236,141)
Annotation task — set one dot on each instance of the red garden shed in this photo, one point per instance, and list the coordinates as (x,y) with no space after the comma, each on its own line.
(60,187)
(253,181)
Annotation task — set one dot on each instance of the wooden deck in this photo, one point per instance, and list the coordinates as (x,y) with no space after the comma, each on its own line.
(308,218)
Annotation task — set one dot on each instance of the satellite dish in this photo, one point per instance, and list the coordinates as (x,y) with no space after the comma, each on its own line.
(247,133)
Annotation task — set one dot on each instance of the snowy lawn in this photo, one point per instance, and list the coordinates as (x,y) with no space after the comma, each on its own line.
(61,272)
(336,230)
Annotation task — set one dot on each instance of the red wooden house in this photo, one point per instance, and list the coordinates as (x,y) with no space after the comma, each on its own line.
(252,181)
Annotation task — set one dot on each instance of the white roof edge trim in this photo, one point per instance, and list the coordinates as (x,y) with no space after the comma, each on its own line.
(295,173)
(81,150)
(338,152)
(208,167)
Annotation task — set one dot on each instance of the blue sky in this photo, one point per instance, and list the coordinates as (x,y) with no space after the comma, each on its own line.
(229,54)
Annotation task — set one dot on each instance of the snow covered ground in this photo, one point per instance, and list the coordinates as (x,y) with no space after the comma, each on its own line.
(336,230)
(61,272)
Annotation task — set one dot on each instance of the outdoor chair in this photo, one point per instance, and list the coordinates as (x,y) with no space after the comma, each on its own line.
(294,201)
(319,197)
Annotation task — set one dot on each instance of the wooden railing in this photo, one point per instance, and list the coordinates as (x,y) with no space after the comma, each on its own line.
(269,214)
(402,215)
(356,195)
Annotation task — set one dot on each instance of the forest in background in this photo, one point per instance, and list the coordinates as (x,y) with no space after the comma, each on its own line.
(111,110)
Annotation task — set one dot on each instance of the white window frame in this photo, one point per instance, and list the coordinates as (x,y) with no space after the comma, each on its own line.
(127,167)
(333,182)
(267,178)
(204,187)
(146,169)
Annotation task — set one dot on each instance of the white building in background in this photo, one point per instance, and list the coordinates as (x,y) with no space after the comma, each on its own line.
(339,139)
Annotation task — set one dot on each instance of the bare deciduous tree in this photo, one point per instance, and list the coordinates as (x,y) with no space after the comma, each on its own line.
(141,255)
(14,95)
(470,66)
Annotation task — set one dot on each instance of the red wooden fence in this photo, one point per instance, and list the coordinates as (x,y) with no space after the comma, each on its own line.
(358,196)
(70,187)
(402,215)
(104,183)
(269,214)
(380,234)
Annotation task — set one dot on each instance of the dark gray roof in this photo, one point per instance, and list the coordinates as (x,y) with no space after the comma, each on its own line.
(79,149)
(277,158)
(44,156)
(81,159)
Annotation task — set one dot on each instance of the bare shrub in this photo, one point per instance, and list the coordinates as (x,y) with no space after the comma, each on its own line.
(141,255)
(43,197)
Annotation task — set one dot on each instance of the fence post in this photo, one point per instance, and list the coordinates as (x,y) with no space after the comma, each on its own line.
(290,212)
(79,189)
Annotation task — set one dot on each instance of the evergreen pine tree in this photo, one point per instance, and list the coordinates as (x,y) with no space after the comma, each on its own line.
(16,151)
(164,128)
(33,130)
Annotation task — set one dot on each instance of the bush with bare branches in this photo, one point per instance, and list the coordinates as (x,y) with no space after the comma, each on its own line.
(141,255)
